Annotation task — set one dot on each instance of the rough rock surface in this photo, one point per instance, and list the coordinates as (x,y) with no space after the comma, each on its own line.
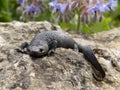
(65,70)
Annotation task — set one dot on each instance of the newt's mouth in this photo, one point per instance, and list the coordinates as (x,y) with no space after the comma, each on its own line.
(37,54)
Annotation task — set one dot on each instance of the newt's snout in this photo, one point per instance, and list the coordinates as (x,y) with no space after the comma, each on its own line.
(37,51)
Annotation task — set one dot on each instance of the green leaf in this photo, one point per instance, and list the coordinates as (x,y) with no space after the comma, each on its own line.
(67,26)
(98,27)
(4,11)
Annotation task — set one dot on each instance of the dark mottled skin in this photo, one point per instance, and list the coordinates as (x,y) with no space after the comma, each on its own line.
(46,42)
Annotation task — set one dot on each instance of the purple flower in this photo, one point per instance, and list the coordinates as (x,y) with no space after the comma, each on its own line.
(57,6)
(91,9)
(32,9)
(21,2)
(100,7)
(112,4)
(63,8)
(106,8)
(103,7)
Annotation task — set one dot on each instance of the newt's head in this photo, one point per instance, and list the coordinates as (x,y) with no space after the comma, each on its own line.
(37,50)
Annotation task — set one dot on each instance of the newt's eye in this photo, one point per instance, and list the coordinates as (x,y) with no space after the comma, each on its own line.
(41,49)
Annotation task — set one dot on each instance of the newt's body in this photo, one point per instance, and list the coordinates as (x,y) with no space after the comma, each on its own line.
(46,42)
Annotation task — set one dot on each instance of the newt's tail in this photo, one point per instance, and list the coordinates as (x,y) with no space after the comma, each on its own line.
(89,55)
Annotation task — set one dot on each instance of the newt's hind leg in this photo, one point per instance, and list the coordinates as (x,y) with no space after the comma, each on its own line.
(23,48)
(76,49)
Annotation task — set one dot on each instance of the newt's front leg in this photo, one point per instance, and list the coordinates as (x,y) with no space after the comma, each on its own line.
(52,47)
(23,48)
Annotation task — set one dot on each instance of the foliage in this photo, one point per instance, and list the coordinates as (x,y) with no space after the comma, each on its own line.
(12,10)
(4,11)
(71,20)
(8,10)
(88,13)
(97,27)
(116,16)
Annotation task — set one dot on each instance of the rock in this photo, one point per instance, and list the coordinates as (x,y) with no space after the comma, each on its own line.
(65,70)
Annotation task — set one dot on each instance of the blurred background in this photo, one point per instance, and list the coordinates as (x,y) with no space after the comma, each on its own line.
(8,13)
